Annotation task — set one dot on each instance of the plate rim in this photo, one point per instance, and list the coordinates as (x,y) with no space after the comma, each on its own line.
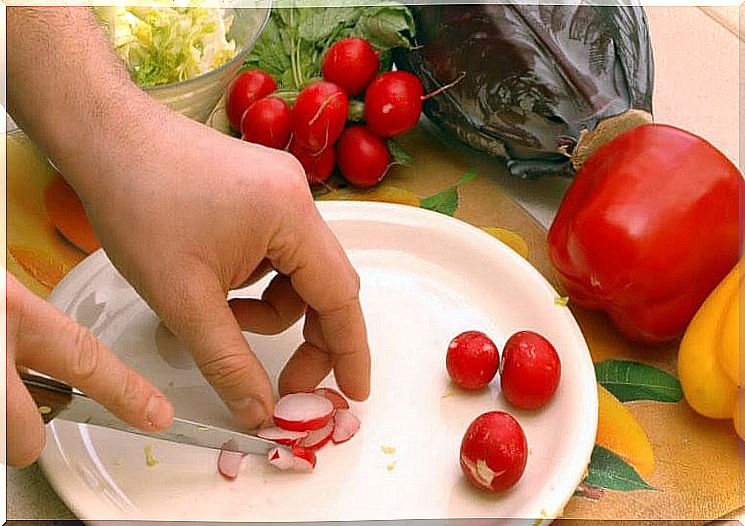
(70,486)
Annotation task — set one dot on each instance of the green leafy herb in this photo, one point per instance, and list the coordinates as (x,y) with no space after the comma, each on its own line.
(292,46)
(398,154)
(629,381)
(446,202)
(608,470)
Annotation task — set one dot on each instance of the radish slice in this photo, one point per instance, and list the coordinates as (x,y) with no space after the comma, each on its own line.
(304,453)
(302,465)
(280,458)
(229,462)
(345,426)
(334,396)
(282,436)
(318,438)
(302,412)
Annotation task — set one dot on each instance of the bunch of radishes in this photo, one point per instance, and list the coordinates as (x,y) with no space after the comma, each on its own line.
(494,450)
(305,422)
(315,128)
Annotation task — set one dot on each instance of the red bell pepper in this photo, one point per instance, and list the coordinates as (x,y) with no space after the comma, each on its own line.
(648,228)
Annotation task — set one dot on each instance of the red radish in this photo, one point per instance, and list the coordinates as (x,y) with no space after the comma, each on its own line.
(346,424)
(268,122)
(318,438)
(229,461)
(302,456)
(362,156)
(334,396)
(281,458)
(302,412)
(531,370)
(494,452)
(393,103)
(282,436)
(318,168)
(472,360)
(247,88)
(351,64)
(319,115)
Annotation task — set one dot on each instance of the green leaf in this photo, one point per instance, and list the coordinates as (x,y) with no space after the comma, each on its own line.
(320,24)
(608,470)
(629,381)
(469,176)
(398,154)
(384,27)
(445,202)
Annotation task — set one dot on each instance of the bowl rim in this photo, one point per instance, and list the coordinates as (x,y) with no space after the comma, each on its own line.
(239,57)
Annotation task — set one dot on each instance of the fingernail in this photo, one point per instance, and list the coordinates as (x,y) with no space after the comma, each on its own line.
(250,411)
(159,412)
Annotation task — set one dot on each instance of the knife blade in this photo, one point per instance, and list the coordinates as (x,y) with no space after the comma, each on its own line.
(57,400)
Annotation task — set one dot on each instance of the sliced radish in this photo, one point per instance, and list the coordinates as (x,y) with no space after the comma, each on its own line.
(303,412)
(334,396)
(345,426)
(302,465)
(306,454)
(280,458)
(318,438)
(229,462)
(282,436)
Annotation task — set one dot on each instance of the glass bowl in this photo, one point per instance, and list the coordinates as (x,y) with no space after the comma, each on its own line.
(197,97)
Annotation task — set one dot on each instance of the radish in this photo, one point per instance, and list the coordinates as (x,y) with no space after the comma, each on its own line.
(334,396)
(229,461)
(472,360)
(280,458)
(351,63)
(268,122)
(393,102)
(318,167)
(363,158)
(304,459)
(282,436)
(494,452)
(247,88)
(318,438)
(531,370)
(302,412)
(319,114)
(346,424)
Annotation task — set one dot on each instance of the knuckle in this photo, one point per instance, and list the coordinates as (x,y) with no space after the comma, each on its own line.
(86,354)
(130,392)
(226,371)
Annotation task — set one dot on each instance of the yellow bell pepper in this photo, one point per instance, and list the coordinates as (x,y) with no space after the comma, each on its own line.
(709,355)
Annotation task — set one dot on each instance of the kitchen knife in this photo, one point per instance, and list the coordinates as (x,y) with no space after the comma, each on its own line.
(57,400)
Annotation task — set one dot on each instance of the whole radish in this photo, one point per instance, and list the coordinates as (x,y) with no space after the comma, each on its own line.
(362,156)
(494,452)
(268,122)
(472,360)
(351,64)
(318,167)
(531,370)
(319,115)
(393,103)
(247,88)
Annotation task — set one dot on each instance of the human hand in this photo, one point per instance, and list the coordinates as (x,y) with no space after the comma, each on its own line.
(40,337)
(186,214)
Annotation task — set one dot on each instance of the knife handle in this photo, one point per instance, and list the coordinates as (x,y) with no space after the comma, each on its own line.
(50,396)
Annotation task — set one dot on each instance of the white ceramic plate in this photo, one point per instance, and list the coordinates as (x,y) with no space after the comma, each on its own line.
(425,278)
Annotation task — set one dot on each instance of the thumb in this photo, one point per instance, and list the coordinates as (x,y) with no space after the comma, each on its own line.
(203,320)
(26,434)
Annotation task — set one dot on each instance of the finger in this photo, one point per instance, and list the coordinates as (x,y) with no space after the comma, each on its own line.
(310,363)
(278,309)
(323,276)
(199,314)
(25,430)
(54,344)
(264,268)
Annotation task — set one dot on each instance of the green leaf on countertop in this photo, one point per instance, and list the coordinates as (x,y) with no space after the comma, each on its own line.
(446,202)
(398,154)
(608,470)
(629,381)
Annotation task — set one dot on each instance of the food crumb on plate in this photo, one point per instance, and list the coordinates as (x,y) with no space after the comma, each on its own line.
(388,450)
(390,466)
(150,459)
(447,394)
(562,301)
(45,409)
